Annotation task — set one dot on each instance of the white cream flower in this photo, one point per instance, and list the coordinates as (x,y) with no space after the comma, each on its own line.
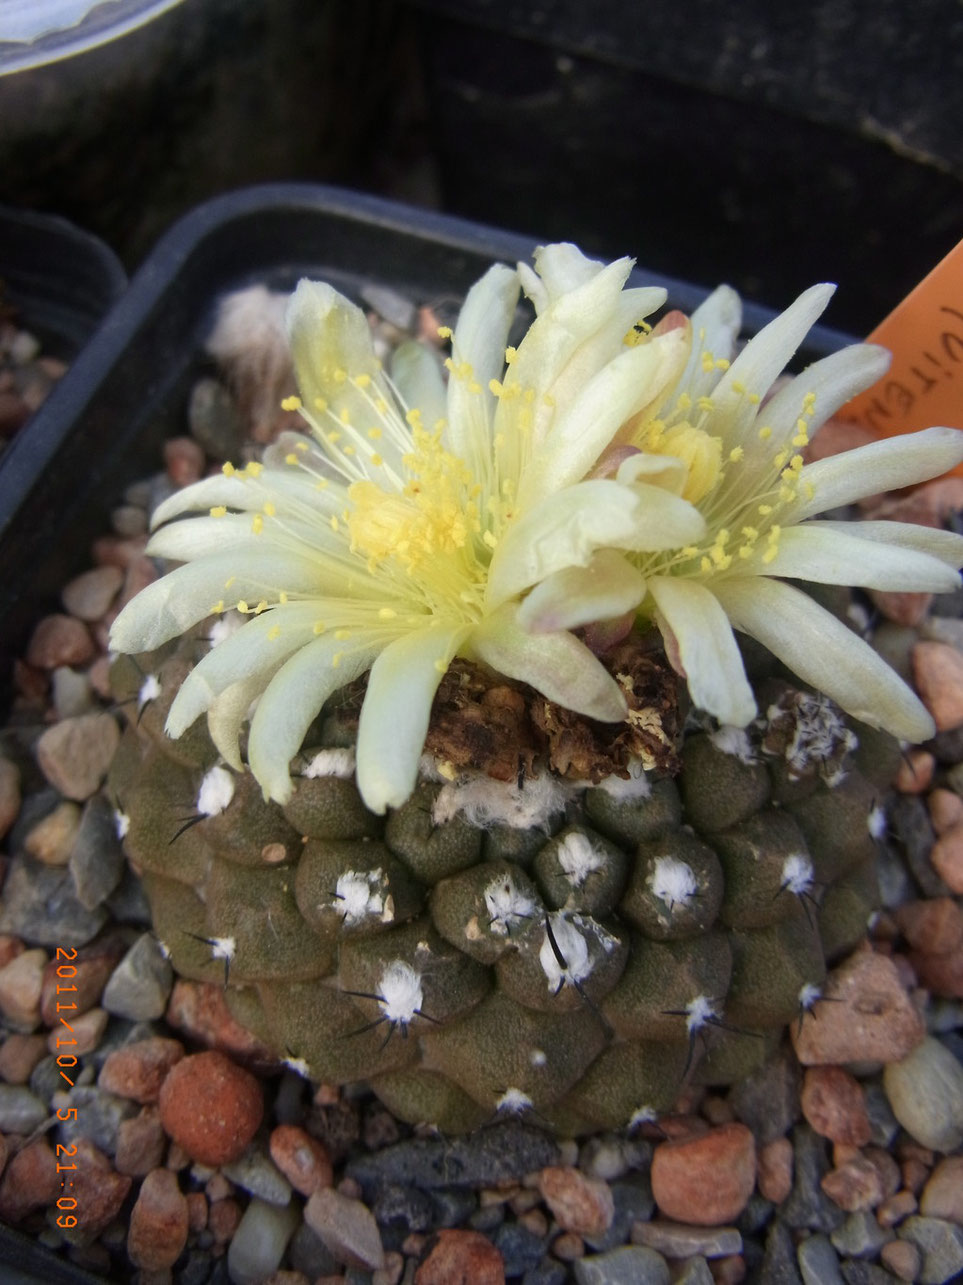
(411,523)
(737,457)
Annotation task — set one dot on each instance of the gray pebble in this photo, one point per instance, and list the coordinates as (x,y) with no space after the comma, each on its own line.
(548,1272)
(808,1207)
(521,1249)
(196,1269)
(389,304)
(214,421)
(289,1100)
(70,692)
(944,629)
(258,1245)
(767,1101)
(128,902)
(46,1080)
(487,1218)
(779,1266)
(677,1240)
(309,1254)
(941,1244)
(346,1226)
(910,822)
(508,1150)
(399,1210)
(855,1271)
(20,1110)
(99,1116)
(925,1091)
(257,1173)
(895,882)
(755,1215)
(633,1204)
(947,747)
(883,1124)
(630,1265)
(603,1157)
(453,1205)
(39,903)
(860,1236)
(818,1262)
(948,604)
(129,521)
(138,493)
(34,807)
(141,983)
(695,1271)
(97,859)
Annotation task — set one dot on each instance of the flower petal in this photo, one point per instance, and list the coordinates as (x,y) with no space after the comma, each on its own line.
(710,656)
(825,654)
(227,714)
(557,665)
(945,545)
(248,494)
(609,586)
(564,530)
(293,700)
(395,713)
(879,466)
(417,374)
(327,333)
(835,556)
(715,328)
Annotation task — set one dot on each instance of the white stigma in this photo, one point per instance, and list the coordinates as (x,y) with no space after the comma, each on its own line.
(573,948)
(673,882)
(400,992)
(506,905)
(876,822)
(359,893)
(578,859)
(698,1012)
(121,823)
(216,792)
(797,874)
(734,741)
(149,691)
(513,1100)
(339,763)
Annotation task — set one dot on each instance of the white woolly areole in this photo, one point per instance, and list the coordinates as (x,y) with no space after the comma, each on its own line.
(360,893)
(797,874)
(673,882)
(298,1066)
(222,947)
(164,949)
(642,1115)
(223,627)
(808,995)
(513,1100)
(216,792)
(876,821)
(339,763)
(734,741)
(577,858)
(506,905)
(698,1012)
(571,935)
(487,802)
(636,786)
(820,732)
(149,690)
(121,823)
(400,992)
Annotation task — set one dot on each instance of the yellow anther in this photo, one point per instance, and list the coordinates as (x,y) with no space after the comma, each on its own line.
(340,375)
(362,381)
(242,607)
(689,551)
(349,450)
(228,469)
(765,433)
(441,666)
(332,438)
(684,402)
(765,510)
(274,633)
(375,434)
(796,463)
(229,582)
(291,403)
(754,399)
(808,490)
(376,460)
(257,524)
(707,361)
(291,458)
(494,386)
(738,387)
(344,415)
(750,532)
(336,659)
(722,363)
(444,332)
(490,540)
(510,354)
(386,613)
(474,386)
(321,404)
(318,628)
(218,511)
(254,469)
(705,565)
(260,608)
(269,510)
(413,417)
(381,406)
(283,597)
(335,524)
(706,404)
(217,608)
(770,554)
(342,634)
(780,458)
(736,454)
(447,770)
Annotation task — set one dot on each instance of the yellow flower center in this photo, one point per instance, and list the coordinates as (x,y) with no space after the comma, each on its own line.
(698,450)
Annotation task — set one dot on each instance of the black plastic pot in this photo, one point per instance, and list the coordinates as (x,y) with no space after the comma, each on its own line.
(102,426)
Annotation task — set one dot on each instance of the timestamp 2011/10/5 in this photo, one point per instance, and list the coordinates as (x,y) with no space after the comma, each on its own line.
(67,1063)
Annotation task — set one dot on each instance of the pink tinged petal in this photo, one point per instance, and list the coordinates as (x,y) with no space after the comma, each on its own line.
(565,530)
(834,556)
(945,545)
(706,648)
(260,644)
(879,466)
(825,654)
(396,710)
(557,665)
(292,701)
(608,587)
(186,595)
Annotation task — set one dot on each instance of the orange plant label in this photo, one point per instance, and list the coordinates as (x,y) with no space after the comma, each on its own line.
(924,385)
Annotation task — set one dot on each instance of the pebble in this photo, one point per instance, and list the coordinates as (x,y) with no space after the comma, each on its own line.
(87,1029)
(520,1248)
(158,1222)
(633,1204)
(98,1189)
(832,1102)
(938,677)
(200,1011)
(20,1110)
(941,1244)
(860,1236)
(9,794)
(39,903)
(871,1016)
(925,1091)
(347,1227)
(70,693)
(89,595)
(579,1204)
(19,1054)
(942,1196)
(257,1246)
(302,1159)
(21,982)
(184,460)
(97,860)
(88,973)
(211,1107)
(808,1207)
(214,420)
(854,1185)
(774,1170)
(934,926)
(767,1100)
(60,640)
(99,1115)
(916,769)
(902,608)
(139,986)
(896,1208)
(705,1179)
(910,823)
(629,1265)
(30,1181)
(74,754)
(141,1143)
(947,857)
(945,808)
(52,839)
(223,1218)
(138,1070)
(887,1168)
(257,1175)
(818,1261)
(399,1211)
(677,1240)
(902,1258)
